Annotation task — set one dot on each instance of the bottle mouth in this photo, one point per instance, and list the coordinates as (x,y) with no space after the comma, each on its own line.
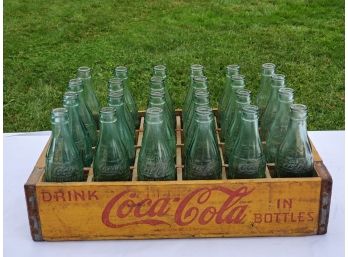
(121,72)
(70,98)
(59,114)
(250,112)
(108,114)
(121,69)
(243,92)
(84,72)
(75,85)
(278,77)
(268,66)
(154,115)
(232,69)
(115,84)
(299,111)
(160,67)
(285,94)
(196,67)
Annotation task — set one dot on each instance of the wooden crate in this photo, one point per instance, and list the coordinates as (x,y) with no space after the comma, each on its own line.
(177,209)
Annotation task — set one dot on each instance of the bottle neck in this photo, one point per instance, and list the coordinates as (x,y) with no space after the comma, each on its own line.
(249,130)
(60,129)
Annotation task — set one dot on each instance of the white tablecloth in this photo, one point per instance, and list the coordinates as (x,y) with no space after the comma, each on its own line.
(20,155)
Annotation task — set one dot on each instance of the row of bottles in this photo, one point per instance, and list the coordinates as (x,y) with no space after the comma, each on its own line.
(77,143)
(282,126)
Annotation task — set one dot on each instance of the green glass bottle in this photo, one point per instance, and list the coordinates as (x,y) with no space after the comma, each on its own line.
(267,71)
(278,81)
(127,135)
(155,158)
(77,129)
(247,160)
(294,157)
(157,86)
(280,124)
(203,161)
(63,161)
(199,83)
(116,85)
(242,99)
(231,70)
(161,70)
(84,73)
(201,98)
(196,70)
(122,73)
(157,100)
(75,85)
(111,161)
(237,82)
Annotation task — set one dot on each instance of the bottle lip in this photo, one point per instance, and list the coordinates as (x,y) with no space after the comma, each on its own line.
(121,69)
(278,77)
(243,92)
(154,115)
(160,67)
(250,112)
(268,65)
(238,77)
(75,85)
(84,72)
(232,67)
(108,114)
(70,98)
(59,114)
(197,67)
(299,109)
(285,92)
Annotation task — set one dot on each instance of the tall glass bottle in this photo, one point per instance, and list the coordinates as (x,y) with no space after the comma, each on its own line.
(294,157)
(160,70)
(122,73)
(278,81)
(247,160)
(237,82)
(75,85)
(267,71)
(63,161)
(116,84)
(280,124)
(157,100)
(84,73)
(127,135)
(111,161)
(199,83)
(157,86)
(77,129)
(242,99)
(231,70)
(155,158)
(196,71)
(203,160)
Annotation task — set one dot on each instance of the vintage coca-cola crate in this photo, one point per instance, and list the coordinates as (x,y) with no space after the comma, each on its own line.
(177,209)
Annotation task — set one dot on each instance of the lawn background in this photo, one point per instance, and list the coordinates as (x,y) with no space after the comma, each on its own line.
(46,41)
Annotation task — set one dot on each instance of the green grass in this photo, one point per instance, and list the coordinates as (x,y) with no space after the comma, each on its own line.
(46,41)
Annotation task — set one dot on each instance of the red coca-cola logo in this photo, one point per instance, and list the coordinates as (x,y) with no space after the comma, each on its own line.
(195,206)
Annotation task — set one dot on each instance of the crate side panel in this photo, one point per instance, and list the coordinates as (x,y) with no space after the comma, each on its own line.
(226,209)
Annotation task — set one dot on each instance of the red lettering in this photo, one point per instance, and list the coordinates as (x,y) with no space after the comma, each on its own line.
(138,207)
(277,217)
(301,216)
(59,195)
(46,196)
(207,215)
(92,194)
(309,216)
(268,217)
(163,209)
(80,195)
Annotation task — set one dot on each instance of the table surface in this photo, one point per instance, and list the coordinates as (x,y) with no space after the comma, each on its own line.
(21,152)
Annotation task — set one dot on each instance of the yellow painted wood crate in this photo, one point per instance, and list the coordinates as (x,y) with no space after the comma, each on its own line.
(177,209)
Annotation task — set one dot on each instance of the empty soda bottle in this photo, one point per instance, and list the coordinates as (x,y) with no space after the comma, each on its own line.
(160,70)
(75,85)
(278,81)
(111,161)
(84,73)
(116,85)
(294,157)
(203,160)
(63,161)
(196,70)
(247,160)
(157,100)
(267,71)
(122,73)
(280,124)
(77,129)
(155,158)
(157,87)
(231,70)
(242,99)
(115,99)
(199,83)
(237,82)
